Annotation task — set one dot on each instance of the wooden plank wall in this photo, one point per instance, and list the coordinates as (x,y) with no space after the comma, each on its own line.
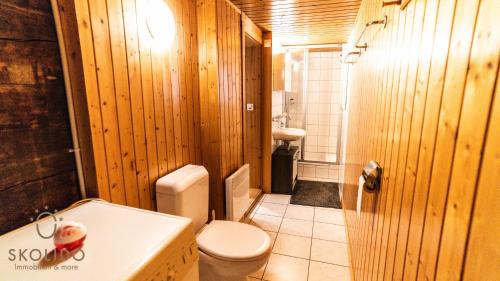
(424,104)
(219,33)
(142,101)
(253,95)
(36,168)
(230,86)
(209,101)
(267,91)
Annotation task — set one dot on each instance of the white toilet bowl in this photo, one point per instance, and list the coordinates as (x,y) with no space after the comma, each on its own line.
(229,251)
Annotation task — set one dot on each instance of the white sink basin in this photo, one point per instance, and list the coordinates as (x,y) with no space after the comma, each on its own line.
(288,134)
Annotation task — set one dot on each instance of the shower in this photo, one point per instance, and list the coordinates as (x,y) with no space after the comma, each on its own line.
(314,83)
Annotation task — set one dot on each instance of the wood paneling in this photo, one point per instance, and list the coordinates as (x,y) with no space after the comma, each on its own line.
(142,100)
(483,249)
(37,169)
(209,98)
(267,91)
(230,83)
(251,29)
(423,104)
(253,122)
(219,35)
(301,22)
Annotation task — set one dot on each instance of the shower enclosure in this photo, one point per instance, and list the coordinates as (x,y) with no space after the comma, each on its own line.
(313,101)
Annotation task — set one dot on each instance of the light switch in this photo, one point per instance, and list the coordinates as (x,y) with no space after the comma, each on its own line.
(249,106)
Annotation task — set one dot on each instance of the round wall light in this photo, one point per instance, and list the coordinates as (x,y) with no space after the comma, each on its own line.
(161,23)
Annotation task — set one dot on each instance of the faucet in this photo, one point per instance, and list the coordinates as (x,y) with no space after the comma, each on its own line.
(286,116)
(282,116)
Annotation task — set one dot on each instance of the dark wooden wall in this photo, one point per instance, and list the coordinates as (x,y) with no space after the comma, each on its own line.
(424,104)
(36,169)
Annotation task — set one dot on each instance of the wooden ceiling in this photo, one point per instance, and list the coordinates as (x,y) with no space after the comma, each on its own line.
(298,22)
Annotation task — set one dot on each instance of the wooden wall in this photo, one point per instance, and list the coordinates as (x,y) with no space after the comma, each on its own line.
(253,122)
(36,167)
(424,104)
(230,86)
(266,124)
(219,34)
(142,100)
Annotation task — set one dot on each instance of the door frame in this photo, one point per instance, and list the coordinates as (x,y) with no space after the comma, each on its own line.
(252,30)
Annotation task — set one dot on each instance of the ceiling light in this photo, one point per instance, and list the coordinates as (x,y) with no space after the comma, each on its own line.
(161,23)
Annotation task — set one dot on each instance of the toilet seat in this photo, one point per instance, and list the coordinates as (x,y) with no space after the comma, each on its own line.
(233,241)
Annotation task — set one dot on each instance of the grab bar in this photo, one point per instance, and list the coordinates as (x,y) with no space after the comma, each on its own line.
(375,22)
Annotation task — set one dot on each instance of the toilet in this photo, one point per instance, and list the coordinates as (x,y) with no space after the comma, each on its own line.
(229,250)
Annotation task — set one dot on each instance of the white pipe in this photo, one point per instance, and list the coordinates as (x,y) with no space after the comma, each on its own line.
(69,99)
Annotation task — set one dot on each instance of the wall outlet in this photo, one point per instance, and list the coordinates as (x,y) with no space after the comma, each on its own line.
(249,106)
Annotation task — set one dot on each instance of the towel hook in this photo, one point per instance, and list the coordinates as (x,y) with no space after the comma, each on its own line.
(390,3)
(350,54)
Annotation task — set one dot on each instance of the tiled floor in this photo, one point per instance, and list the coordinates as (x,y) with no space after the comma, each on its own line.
(309,243)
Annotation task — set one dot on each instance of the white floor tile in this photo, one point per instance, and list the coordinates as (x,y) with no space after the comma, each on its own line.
(296,227)
(271,209)
(277,198)
(330,252)
(291,245)
(332,232)
(319,271)
(284,268)
(329,215)
(299,212)
(269,223)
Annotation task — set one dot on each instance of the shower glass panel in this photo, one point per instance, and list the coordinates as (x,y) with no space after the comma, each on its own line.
(313,90)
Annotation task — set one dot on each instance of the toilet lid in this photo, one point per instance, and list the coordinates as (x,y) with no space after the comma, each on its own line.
(230,240)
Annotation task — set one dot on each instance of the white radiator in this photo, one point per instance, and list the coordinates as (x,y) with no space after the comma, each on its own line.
(237,193)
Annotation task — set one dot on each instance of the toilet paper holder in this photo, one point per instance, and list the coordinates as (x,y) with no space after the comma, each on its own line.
(372,173)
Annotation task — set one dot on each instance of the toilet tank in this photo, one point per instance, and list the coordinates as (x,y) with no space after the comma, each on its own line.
(184,192)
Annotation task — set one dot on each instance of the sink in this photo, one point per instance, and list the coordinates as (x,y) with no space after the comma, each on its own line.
(288,134)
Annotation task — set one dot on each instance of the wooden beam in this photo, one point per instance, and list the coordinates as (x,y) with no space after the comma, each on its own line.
(250,28)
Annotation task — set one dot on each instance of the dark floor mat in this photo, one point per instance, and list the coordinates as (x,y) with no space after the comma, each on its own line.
(318,194)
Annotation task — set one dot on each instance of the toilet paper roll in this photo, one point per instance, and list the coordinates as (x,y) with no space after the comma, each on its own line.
(361,182)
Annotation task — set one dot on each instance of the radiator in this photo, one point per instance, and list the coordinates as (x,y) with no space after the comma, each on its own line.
(237,193)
